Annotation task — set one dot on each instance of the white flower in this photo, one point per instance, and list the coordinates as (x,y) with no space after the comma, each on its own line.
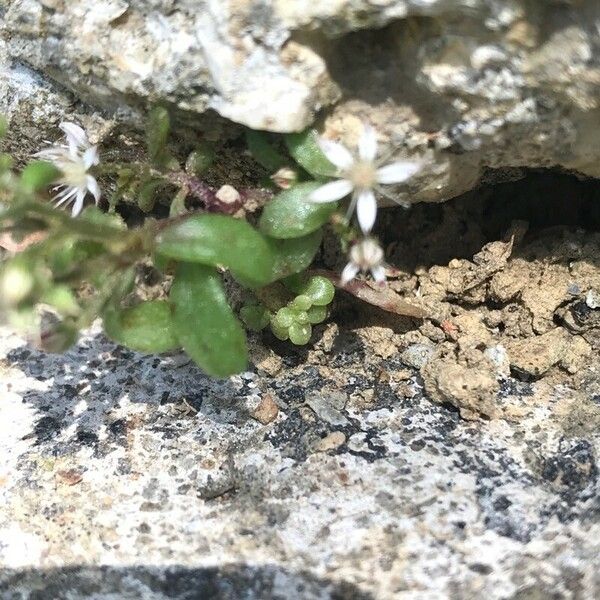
(361,176)
(365,255)
(74,159)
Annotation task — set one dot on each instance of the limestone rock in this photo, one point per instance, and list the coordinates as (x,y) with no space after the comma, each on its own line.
(466,85)
(111,485)
(467,380)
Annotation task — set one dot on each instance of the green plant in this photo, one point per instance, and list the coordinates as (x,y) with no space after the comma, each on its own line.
(71,269)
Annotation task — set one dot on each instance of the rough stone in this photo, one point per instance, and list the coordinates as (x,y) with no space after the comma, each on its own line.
(266,411)
(534,356)
(417,355)
(160,500)
(469,381)
(468,86)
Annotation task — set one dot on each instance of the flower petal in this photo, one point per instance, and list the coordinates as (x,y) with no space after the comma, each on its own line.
(94,188)
(366,210)
(397,172)
(336,153)
(75,134)
(367,145)
(50,154)
(349,273)
(378,273)
(334,190)
(90,157)
(78,205)
(65,196)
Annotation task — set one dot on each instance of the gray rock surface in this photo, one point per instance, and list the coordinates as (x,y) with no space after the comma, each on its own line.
(129,476)
(468,85)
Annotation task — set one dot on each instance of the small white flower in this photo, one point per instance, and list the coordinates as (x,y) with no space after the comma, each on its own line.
(365,255)
(74,159)
(361,176)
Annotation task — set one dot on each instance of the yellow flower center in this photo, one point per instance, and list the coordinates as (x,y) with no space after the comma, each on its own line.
(74,173)
(363,174)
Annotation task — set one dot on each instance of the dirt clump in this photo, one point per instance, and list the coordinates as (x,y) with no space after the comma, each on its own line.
(505,300)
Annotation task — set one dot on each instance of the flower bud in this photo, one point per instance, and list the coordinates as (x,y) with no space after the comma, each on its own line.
(16,284)
(285,178)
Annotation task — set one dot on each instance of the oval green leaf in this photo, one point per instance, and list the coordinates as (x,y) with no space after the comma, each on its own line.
(262,151)
(305,151)
(295,255)
(221,240)
(204,322)
(146,327)
(291,214)
(157,131)
(200,159)
(38,175)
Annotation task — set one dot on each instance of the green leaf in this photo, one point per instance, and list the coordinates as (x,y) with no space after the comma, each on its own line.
(306,152)
(157,131)
(6,162)
(281,332)
(62,298)
(291,214)
(204,322)
(146,327)
(295,255)
(255,316)
(92,214)
(177,206)
(317,314)
(3,126)
(300,333)
(318,288)
(221,240)
(38,175)
(263,152)
(301,302)
(200,159)
(147,194)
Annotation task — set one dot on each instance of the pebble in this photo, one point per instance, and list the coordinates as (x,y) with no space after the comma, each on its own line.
(228,194)
(417,355)
(328,407)
(266,411)
(592,299)
(330,442)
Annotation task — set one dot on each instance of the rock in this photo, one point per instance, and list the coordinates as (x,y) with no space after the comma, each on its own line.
(228,194)
(34,106)
(468,382)
(198,57)
(498,355)
(592,299)
(534,356)
(185,504)
(330,442)
(266,411)
(466,86)
(417,355)
(328,406)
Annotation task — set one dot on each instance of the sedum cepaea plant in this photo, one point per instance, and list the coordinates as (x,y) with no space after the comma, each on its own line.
(62,269)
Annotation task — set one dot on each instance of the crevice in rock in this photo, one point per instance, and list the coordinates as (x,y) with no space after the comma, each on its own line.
(434,234)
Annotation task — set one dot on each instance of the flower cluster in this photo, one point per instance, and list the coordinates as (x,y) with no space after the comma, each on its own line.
(362,176)
(74,160)
(366,255)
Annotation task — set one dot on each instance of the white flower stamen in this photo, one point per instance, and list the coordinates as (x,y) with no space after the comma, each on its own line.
(73,159)
(366,255)
(361,176)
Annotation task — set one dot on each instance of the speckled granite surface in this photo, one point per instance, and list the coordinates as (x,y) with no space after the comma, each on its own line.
(126,476)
